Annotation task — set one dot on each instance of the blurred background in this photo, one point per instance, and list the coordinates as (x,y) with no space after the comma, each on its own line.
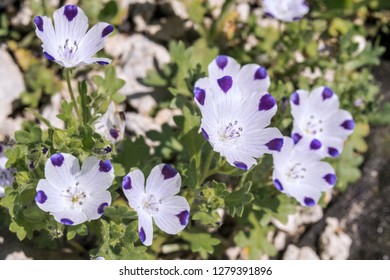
(163,44)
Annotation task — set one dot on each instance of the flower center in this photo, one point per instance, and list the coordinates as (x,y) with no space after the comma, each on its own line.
(231,131)
(296,173)
(74,195)
(313,126)
(68,49)
(151,204)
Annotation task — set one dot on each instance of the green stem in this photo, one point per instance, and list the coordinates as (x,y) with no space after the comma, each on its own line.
(76,107)
(206,171)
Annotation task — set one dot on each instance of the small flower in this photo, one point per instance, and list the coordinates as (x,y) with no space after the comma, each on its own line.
(68,43)
(111,125)
(6,174)
(157,201)
(71,195)
(319,122)
(286,10)
(236,109)
(299,173)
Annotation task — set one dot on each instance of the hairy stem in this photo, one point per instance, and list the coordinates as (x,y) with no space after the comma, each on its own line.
(76,106)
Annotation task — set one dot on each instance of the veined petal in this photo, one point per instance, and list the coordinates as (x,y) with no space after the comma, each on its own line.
(322,101)
(253,78)
(96,175)
(223,66)
(145,228)
(95,203)
(97,60)
(298,100)
(61,170)
(70,217)
(173,215)
(48,198)
(133,186)
(70,23)
(163,181)
(45,32)
(307,195)
(321,175)
(93,41)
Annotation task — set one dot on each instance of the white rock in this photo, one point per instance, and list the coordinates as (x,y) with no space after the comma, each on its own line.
(24,16)
(280,240)
(166,116)
(51,111)
(216,5)
(334,242)
(295,253)
(17,255)
(233,252)
(140,124)
(136,54)
(11,86)
(243,11)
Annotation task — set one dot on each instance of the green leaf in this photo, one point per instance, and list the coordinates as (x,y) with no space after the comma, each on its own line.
(81,230)
(236,200)
(203,243)
(21,233)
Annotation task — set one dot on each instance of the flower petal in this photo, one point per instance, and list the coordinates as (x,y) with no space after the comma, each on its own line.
(94,204)
(49,198)
(145,228)
(307,195)
(93,41)
(97,60)
(322,102)
(253,78)
(96,175)
(173,215)
(223,66)
(70,23)
(45,32)
(163,181)
(61,170)
(70,217)
(133,186)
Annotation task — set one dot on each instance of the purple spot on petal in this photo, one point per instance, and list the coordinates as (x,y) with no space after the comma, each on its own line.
(333,152)
(102,62)
(240,165)
(107,149)
(48,56)
(141,234)
(206,136)
(267,102)
(330,179)
(100,209)
(39,23)
(44,150)
(296,137)
(183,217)
(269,14)
(315,144)
(114,133)
(297,18)
(295,98)
(278,185)
(348,124)
(107,30)
(327,93)
(309,201)
(200,95)
(40,197)
(67,222)
(225,83)
(222,61)
(57,159)
(261,73)
(105,166)
(126,183)
(70,12)
(168,172)
(275,144)
(1,149)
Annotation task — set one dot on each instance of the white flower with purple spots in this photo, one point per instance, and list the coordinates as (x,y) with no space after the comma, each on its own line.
(286,10)
(299,173)
(6,174)
(158,201)
(111,125)
(236,110)
(68,43)
(319,122)
(71,195)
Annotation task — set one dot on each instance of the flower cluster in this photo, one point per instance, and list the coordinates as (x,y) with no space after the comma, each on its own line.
(236,110)
(68,43)
(319,130)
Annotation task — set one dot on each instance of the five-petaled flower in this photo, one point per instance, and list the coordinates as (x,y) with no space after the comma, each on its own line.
(68,43)
(157,201)
(111,124)
(300,173)
(286,10)
(319,122)
(71,195)
(236,109)
(6,174)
